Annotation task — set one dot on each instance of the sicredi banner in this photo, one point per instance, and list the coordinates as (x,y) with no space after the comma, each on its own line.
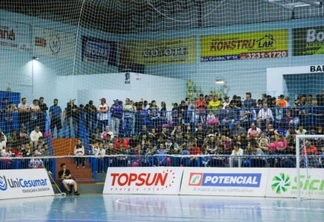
(143,180)
(283,183)
(224,181)
(24,183)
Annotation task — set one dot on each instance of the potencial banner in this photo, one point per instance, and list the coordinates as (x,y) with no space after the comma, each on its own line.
(224,181)
(25,183)
(53,43)
(283,183)
(99,51)
(241,46)
(143,180)
(308,41)
(15,36)
(166,51)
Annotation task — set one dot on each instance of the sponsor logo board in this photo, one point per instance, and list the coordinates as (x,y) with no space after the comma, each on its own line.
(283,183)
(24,183)
(222,181)
(143,180)
(244,46)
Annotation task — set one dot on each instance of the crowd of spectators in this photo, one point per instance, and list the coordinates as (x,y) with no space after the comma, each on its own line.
(205,129)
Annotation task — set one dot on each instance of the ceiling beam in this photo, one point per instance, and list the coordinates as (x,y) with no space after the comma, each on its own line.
(313,3)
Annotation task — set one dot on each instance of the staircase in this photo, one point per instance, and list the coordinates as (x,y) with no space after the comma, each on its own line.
(64,147)
(83,175)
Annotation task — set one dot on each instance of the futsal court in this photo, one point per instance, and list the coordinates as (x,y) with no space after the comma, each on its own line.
(160,208)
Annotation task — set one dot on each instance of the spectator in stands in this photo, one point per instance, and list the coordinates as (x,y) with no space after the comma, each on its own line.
(71,117)
(120,141)
(129,116)
(79,153)
(103,109)
(36,163)
(281,101)
(67,180)
(161,155)
(55,113)
(247,116)
(34,114)
(215,104)
(42,114)
(201,106)
(254,131)
(200,134)
(24,114)
(249,102)
(235,160)
(8,117)
(13,139)
(281,130)
(310,153)
(265,116)
(269,131)
(107,132)
(3,108)
(301,131)
(90,117)
(116,116)
(35,135)
(239,130)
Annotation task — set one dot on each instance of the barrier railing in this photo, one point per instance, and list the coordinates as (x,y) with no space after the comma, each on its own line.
(99,165)
(131,122)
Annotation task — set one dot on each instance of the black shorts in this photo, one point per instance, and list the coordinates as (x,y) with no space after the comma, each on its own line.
(57,123)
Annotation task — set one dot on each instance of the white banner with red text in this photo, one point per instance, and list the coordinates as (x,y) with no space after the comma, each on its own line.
(224,181)
(143,180)
(25,183)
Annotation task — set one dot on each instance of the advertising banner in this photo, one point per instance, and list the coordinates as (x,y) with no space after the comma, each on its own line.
(15,36)
(99,51)
(308,41)
(283,183)
(224,181)
(166,51)
(24,183)
(52,43)
(240,46)
(143,180)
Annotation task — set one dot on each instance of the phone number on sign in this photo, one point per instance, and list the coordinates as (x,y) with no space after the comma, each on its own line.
(264,55)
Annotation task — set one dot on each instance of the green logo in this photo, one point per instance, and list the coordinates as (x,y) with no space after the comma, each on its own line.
(280,183)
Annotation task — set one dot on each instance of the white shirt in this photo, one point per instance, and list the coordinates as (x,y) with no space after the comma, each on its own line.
(103,112)
(265,114)
(24,107)
(79,151)
(34,136)
(239,152)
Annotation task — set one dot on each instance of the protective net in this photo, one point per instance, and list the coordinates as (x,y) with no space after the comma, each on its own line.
(159,70)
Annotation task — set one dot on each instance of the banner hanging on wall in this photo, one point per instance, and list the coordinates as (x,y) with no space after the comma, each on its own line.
(99,51)
(52,43)
(308,41)
(15,36)
(241,46)
(166,51)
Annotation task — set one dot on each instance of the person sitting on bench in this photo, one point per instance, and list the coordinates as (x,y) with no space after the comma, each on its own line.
(67,180)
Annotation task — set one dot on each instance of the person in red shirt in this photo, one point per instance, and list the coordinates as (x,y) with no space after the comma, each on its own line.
(310,152)
(201,106)
(120,141)
(309,149)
